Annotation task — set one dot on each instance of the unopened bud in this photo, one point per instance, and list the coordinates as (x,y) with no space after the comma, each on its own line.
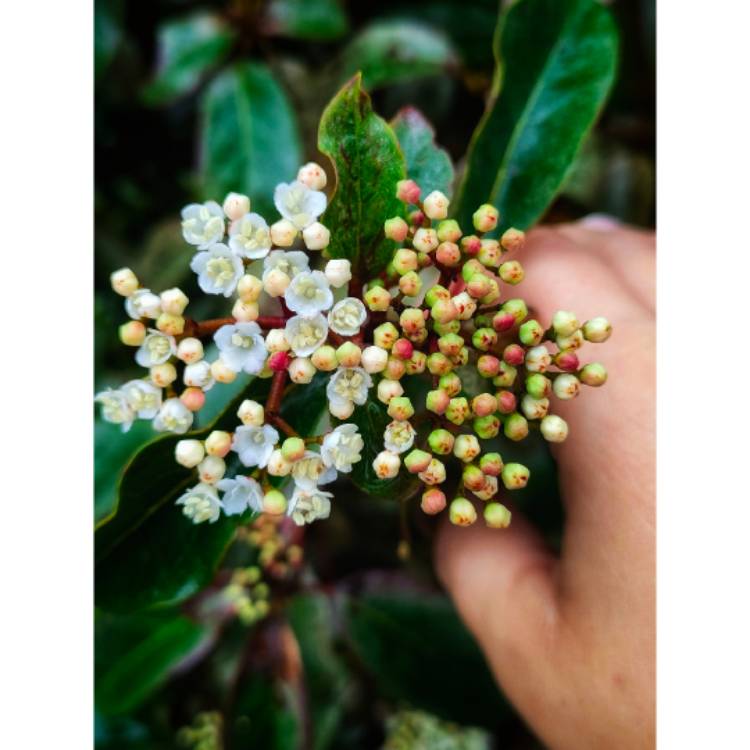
(458,410)
(488,366)
(374,359)
(597,330)
(450,383)
(515,476)
(436,205)
(443,311)
(416,363)
(554,428)
(567,361)
(497,516)
(471,244)
(400,408)
(277,465)
(437,401)
(301,370)
(283,233)
(488,490)
(491,464)
(316,236)
(389,389)
(245,312)
(274,503)
(565,323)
(312,175)
(448,230)
(404,260)
(484,339)
(433,501)
(338,272)
(193,398)
(410,285)
(385,335)
(251,413)
(249,288)
(279,361)
(211,469)
(473,477)
(348,354)
(189,453)
(538,359)
(511,272)
(503,321)
(531,333)
(408,191)
(515,427)
(566,386)
(276,341)
(293,448)
(218,443)
(412,320)
(462,512)
(438,363)
(506,402)
(593,374)
(441,442)
(163,375)
(490,254)
(124,282)
(396,229)
(378,299)
(425,240)
(221,372)
(341,409)
(416,461)
(517,308)
(324,358)
(466,448)
(513,239)
(478,285)
(506,376)
(484,404)
(132,333)
(572,342)
(434,473)
(236,206)
(465,304)
(485,218)
(386,464)
(534,408)
(276,282)
(172,325)
(486,427)
(538,386)
(513,354)
(173,301)
(442,329)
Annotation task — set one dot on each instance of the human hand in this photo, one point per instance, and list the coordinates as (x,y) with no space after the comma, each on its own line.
(572,640)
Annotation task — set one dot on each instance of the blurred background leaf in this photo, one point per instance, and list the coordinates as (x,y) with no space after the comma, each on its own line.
(320,20)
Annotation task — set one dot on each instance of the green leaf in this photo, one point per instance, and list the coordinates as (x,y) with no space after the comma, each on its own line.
(426,163)
(550,84)
(388,52)
(368,165)
(187,50)
(134,655)
(249,138)
(107,34)
(307,19)
(418,652)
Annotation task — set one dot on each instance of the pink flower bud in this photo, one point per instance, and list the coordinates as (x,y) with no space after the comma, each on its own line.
(437,401)
(567,361)
(473,477)
(279,361)
(417,219)
(514,355)
(488,366)
(433,501)
(416,461)
(402,349)
(484,404)
(448,254)
(491,464)
(503,321)
(512,239)
(211,469)
(506,402)
(408,191)
(471,245)
(193,398)
(218,443)
(396,229)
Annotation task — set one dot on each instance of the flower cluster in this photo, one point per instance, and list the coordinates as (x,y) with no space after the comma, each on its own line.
(438,311)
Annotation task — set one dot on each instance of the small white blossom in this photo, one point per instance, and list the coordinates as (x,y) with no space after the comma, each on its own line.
(305,335)
(309,293)
(240,493)
(399,436)
(242,347)
(143,397)
(290,262)
(298,203)
(349,384)
(347,316)
(306,506)
(143,303)
(338,272)
(156,349)
(201,503)
(342,447)
(310,471)
(218,269)
(173,416)
(202,225)
(250,237)
(254,445)
(115,408)
(198,375)
(316,236)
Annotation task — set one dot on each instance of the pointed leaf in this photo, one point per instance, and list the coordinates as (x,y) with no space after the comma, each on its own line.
(551,82)
(368,165)
(307,19)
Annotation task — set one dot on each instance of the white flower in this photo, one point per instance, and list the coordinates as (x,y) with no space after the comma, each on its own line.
(342,447)
(115,408)
(254,445)
(250,237)
(240,493)
(306,506)
(143,303)
(347,316)
(338,272)
(143,397)
(399,436)
(198,375)
(156,349)
(305,335)
(242,347)
(349,384)
(201,503)
(310,471)
(173,416)
(290,262)
(218,269)
(202,225)
(297,203)
(309,293)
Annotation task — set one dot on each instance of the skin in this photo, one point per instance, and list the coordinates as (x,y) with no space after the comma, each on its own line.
(571,640)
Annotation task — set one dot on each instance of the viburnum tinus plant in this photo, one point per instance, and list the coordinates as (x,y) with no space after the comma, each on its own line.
(443,311)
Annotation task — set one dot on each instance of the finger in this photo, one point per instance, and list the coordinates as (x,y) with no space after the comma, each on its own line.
(502,582)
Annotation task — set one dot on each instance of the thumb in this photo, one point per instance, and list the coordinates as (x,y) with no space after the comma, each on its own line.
(503,585)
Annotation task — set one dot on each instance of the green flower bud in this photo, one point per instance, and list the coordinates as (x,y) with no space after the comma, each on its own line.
(400,408)
(594,374)
(450,344)
(458,410)
(417,461)
(534,408)
(293,448)
(511,272)
(566,386)
(410,285)
(348,354)
(485,218)
(515,427)
(324,358)
(490,254)
(515,476)
(478,285)
(416,363)
(491,464)
(554,428)
(512,239)
(572,342)
(506,375)
(390,270)
(497,516)
(404,260)
(396,229)
(375,283)
(565,323)
(434,293)
(274,503)
(454,326)
(597,330)
(538,385)
(493,296)
(385,335)
(484,339)
(466,448)
(471,267)
(438,363)
(437,401)
(531,333)
(449,231)
(450,383)
(433,501)
(487,427)
(377,299)
(461,512)
(517,308)
(441,442)
(443,311)
(461,358)
(473,477)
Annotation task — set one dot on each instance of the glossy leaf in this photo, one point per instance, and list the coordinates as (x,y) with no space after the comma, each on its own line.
(134,655)
(387,52)
(249,138)
(426,163)
(418,652)
(550,84)
(307,19)
(368,165)
(187,50)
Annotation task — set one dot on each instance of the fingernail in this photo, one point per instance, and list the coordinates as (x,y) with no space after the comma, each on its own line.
(600,222)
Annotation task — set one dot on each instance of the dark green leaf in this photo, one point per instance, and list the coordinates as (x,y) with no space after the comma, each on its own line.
(419,652)
(187,50)
(368,165)
(249,138)
(107,34)
(307,19)
(134,655)
(551,81)
(390,51)
(426,163)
